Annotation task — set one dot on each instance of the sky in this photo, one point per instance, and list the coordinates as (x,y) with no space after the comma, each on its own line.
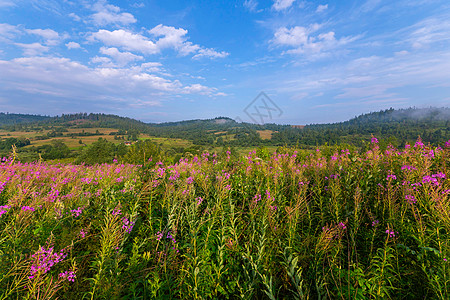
(158,61)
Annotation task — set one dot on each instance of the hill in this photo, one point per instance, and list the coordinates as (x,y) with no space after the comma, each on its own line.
(9,119)
(397,127)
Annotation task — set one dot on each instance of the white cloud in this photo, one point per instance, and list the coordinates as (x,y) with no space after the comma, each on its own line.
(61,85)
(164,37)
(96,87)
(303,42)
(138,5)
(126,40)
(140,104)
(282,4)
(430,31)
(6,3)
(211,53)
(8,32)
(199,89)
(73,45)
(378,81)
(251,5)
(110,14)
(169,37)
(50,36)
(152,67)
(295,36)
(121,58)
(32,49)
(103,61)
(321,8)
(75,17)
(188,48)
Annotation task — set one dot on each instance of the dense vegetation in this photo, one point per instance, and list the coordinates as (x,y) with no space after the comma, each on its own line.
(293,224)
(397,127)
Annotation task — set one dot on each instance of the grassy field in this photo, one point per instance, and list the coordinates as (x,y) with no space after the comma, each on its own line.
(167,142)
(73,143)
(286,225)
(265,134)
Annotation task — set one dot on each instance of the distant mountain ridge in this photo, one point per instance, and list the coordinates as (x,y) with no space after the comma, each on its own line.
(12,118)
(383,116)
(398,126)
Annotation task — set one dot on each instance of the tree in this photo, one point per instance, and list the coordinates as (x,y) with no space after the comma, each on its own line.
(141,151)
(56,150)
(99,152)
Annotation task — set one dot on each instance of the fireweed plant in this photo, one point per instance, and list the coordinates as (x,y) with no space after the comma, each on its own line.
(294,224)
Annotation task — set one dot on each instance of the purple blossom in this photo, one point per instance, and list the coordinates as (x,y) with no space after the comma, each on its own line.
(4,209)
(418,143)
(44,260)
(160,172)
(76,212)
(269,197)
(439,175)
(391,176)
(69,275)
(411,199)
(82,233)
(342,225)
(430,179)
(409,168)
(25,208)
(127,224)
(390,232)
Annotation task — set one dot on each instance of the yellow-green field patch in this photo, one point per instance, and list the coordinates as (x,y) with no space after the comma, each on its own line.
(265,134)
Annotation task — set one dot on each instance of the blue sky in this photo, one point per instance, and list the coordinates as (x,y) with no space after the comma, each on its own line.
(319,61)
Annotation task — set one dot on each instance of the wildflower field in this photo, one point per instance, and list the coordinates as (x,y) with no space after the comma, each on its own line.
(288,225)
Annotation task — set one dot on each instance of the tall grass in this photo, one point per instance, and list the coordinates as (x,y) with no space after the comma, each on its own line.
(291,225)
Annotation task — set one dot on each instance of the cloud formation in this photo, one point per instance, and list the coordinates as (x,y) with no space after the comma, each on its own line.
(73,45)
(32,49)
(120,58)
(321,8)
(50,36)
(162,37)
(45,77)
(251,5)
(282,4)
(106,14)
(8,32)
(305,41)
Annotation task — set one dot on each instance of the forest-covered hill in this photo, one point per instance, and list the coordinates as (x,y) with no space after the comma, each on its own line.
(396,126)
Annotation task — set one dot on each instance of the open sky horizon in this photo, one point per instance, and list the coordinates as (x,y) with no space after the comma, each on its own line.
(162,61)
